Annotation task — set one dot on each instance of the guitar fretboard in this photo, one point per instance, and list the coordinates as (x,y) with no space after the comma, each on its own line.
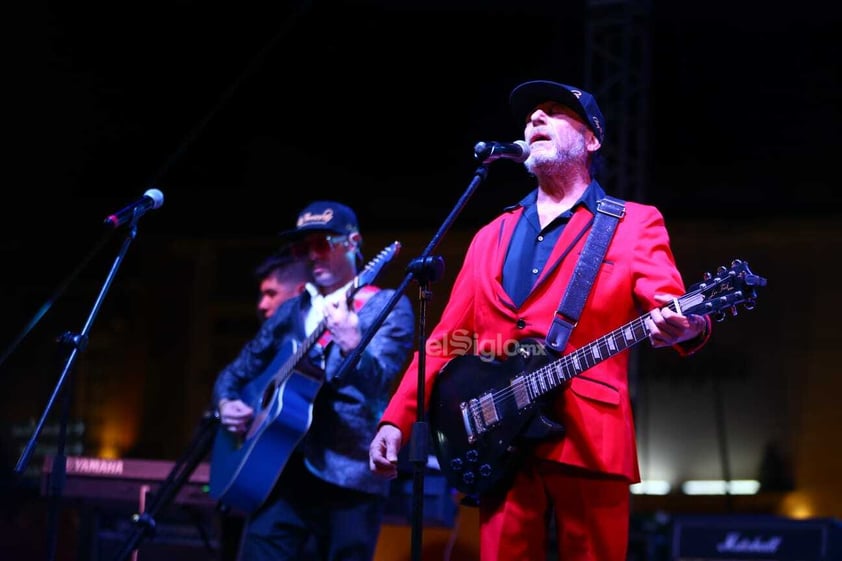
(365,277)
(552,375)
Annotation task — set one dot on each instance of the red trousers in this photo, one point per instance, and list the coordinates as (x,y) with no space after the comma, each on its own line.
(591,516)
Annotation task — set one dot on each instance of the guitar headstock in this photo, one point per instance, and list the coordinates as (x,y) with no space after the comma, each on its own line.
(722,293)
(373,268)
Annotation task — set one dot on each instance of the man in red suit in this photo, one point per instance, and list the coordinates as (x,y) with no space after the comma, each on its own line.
(509,288)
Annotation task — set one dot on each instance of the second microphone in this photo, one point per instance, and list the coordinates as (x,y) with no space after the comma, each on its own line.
(487,152)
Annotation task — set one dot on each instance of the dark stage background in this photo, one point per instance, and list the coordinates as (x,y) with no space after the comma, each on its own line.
(242,113)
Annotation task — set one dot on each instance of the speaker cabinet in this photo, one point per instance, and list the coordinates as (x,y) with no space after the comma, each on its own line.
(755,537)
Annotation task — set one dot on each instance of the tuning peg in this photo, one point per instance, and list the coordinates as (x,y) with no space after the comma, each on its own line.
(719,317)
(749,304)
(733,311)
(707,276)
(721,270)
(755,280)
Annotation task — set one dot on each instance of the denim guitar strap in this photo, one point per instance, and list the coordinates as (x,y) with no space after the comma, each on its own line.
(609,211)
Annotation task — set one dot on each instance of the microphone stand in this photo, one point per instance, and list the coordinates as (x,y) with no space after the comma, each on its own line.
(423,269)
(78,342)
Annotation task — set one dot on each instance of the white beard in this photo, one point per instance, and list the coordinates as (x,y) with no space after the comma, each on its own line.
(557,161)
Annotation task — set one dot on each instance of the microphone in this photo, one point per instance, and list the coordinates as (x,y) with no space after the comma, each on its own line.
(153,198)
(516,151)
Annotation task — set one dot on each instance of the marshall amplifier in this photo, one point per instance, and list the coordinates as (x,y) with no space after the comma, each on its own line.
(753,537)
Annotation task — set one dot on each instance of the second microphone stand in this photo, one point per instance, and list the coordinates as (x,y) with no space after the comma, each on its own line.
(423,269)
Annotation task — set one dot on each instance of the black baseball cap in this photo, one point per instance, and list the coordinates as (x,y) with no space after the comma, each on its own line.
(323,216)
(528,95)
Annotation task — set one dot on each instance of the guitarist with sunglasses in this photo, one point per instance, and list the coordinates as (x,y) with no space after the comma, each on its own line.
(507,291)
(319,491)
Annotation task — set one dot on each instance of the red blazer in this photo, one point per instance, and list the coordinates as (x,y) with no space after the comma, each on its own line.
(595,409)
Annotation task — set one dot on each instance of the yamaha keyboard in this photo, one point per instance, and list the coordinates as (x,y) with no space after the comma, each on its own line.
(125,480)
(109,493)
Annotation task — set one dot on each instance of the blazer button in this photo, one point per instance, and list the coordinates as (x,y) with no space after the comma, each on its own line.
(521,323)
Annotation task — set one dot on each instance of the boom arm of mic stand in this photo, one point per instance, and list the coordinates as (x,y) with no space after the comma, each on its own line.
(421,269)
(145,522)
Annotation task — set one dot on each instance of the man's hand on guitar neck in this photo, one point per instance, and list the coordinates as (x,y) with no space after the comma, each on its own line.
(235,415)
(668,327)
(343,325)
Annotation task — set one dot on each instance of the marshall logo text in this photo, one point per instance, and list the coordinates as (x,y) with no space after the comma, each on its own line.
(734,542)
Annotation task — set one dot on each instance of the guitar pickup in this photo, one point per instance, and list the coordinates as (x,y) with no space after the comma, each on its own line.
(480,414)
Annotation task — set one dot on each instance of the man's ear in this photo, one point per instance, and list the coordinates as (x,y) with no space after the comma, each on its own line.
(593,144)
(357,240)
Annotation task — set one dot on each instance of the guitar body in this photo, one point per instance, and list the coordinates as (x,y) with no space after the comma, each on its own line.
(477,455)
(484,412)
(245,468)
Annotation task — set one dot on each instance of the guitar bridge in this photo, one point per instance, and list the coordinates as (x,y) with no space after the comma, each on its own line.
(466,420)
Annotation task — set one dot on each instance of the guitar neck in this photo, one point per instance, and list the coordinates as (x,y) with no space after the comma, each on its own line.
(300,352)
(315,335)
(561,371)
(571,365)
(365,277)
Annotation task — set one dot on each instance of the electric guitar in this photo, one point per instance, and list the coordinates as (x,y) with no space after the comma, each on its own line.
(484,411)
(245,467)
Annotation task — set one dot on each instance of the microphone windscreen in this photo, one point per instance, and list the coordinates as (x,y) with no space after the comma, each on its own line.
(157,197)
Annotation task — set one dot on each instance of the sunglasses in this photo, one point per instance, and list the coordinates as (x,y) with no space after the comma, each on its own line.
(316,244)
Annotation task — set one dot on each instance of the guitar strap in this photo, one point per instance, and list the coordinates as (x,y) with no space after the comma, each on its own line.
(609,211)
